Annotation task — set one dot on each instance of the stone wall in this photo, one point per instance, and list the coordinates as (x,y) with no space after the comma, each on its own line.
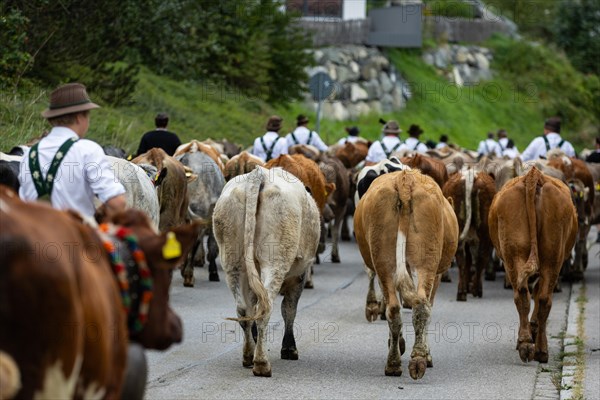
(366,82)
(463,65)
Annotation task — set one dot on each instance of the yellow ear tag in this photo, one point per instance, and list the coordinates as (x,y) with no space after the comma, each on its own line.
(172,247)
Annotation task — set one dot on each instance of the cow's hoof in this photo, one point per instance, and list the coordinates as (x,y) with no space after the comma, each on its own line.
(188,281)
(461,296)
(429,361)
(309,285)
(541,356)
(402,346)
(526,351)
(417,367)
(248,361)
(490,276)
(213,277)
(335,259)
(372,311)
(262,368)
(446,277)
(393,369)
(289,354)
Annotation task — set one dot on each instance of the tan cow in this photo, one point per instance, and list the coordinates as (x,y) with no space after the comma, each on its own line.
(241,164)
(267,229)
(208,147)
(405,226)
(428,166)
(171,186)
(533,226)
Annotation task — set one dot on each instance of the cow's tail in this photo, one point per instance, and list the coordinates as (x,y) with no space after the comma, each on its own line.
(469,182)
(531,266)
(10,377)
(255,185)
(403,278)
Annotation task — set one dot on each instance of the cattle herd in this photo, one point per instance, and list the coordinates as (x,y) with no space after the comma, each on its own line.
(414,216)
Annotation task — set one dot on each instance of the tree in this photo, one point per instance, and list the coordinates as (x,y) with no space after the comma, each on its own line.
(578,33)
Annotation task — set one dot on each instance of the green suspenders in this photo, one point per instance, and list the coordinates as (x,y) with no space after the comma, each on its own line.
(269,152)
(43,186)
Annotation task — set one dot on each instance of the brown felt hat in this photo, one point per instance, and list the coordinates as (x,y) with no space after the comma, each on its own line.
(301,119)
(392,127)
(68,99)
(274,123)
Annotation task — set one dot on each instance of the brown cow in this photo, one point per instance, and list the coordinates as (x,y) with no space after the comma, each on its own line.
(405,226)
(575,169)
(171,186)
(533,240)
(308,172)
(428,166)
(351,154)
(472,193)
(62,320)
(337,174)
(241,164)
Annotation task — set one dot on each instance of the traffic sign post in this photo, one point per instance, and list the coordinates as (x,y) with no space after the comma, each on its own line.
(321,86)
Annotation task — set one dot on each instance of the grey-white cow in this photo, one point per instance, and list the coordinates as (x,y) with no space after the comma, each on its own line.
(203,194)
(267,228)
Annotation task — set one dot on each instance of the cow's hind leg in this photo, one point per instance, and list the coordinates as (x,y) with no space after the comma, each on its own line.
(396,344)
(543,304)
(213,252)
(522,300)
(372,306)
(291,290)
(337,225)
(187,270)
(463,273)
(420,357)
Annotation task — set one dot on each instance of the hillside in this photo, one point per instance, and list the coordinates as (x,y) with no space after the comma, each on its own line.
(209,111)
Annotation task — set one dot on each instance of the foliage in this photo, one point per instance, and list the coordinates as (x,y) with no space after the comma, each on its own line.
(451,9)
(13,57)
(578,33)
(535,18)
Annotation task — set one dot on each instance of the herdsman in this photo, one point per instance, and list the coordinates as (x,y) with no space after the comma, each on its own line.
(270,145)
(303,135)
(489,147)
(65,169)
(412,143)
(549,140)
(503,141)
(352,136)
(385,147)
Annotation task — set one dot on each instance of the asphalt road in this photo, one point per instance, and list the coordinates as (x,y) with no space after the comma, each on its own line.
(341,354)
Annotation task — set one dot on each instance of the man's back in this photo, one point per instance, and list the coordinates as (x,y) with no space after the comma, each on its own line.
(161,138)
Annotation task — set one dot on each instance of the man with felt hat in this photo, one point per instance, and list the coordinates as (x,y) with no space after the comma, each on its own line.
(412,143)
(384,148)
(65,169)
(270,145)
(352,137)
(303,135)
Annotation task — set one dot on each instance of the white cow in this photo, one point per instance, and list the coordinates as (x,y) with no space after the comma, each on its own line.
(267,229)
(141,193)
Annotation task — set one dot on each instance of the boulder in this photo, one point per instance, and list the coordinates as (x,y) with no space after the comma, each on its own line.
(375,107)
(373,89)
(335,111)
(482,61)
(357,93)
(387,103)
(428,58)
(386,83)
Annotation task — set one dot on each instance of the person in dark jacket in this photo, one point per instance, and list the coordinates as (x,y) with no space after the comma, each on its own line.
(160,137)
(595,156)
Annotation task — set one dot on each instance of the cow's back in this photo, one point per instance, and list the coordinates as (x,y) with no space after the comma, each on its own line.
(60,307)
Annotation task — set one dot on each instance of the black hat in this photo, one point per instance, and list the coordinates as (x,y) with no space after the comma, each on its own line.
(352,131)
(301,119)
(553,124)
(274,123)
(415,130)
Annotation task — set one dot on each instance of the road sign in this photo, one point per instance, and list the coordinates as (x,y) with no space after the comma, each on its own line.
(321,86)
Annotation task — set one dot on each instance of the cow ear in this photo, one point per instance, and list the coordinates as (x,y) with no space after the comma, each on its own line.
(175,244)
(451,201)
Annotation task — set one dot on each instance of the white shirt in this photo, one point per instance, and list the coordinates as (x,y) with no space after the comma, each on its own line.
(302,133)
(84,173)
(510,153)
(537,147)
(503,142)
(281,147)
(350,139)
(376,152)
(411,144)
(489,146)
(441,145)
